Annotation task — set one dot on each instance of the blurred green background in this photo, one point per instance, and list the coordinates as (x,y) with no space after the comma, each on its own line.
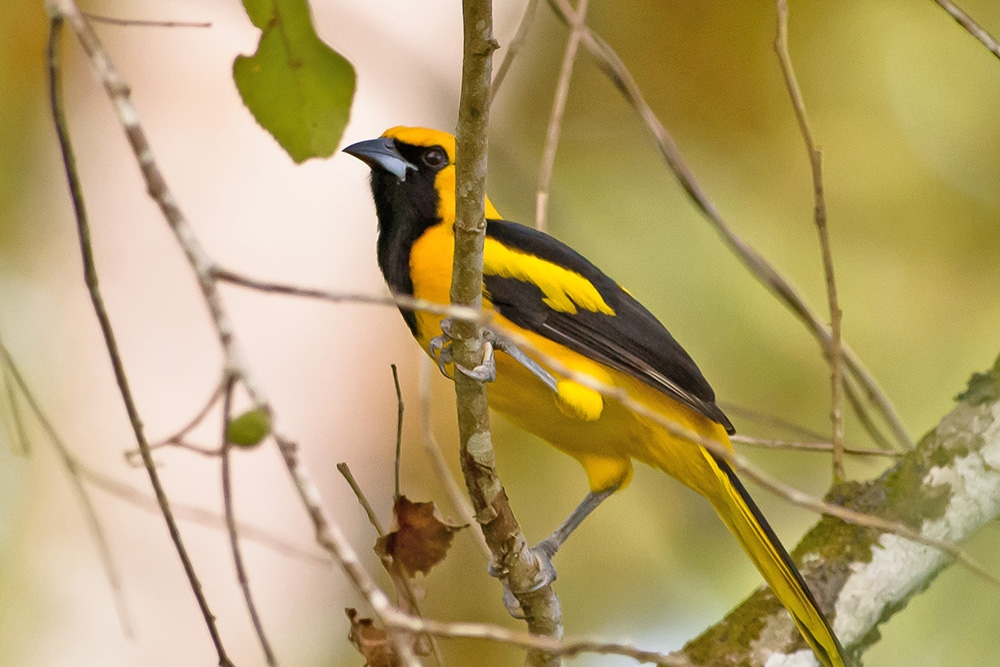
(903,103)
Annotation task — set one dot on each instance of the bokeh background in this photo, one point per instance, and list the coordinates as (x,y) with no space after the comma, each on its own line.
(904,104)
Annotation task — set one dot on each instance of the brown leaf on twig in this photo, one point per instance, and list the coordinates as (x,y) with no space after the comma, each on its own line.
(420,541)
(371,642)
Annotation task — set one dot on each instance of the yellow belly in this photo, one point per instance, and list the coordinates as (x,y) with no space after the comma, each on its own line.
(604,443)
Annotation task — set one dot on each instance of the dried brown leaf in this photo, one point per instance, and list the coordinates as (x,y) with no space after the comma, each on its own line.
(371,642)
(420,541)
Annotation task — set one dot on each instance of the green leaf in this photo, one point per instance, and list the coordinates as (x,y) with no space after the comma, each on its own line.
(297,87)
(249,428)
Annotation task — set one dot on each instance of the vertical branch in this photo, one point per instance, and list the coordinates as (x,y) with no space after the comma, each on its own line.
(512,559)
(231,527)
(513,48)
(578,25)
(399,424)
(90,276)
(433,449)
(834,353)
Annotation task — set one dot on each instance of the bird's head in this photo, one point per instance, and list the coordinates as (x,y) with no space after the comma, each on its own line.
(413,170)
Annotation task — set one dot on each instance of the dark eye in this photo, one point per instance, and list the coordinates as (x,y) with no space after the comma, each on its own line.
(435,158)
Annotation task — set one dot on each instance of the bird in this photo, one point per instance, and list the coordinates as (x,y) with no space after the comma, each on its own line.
(540,291)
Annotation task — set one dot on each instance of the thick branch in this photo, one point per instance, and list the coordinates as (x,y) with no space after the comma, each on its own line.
(946,489)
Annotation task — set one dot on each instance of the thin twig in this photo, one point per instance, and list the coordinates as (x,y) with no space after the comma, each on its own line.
(231,527)
(197,515)
(816,163)
(403,301)
(328,534)
(140,23)
(133,457)
(404,588)
(433,449)
(67,10)
(773,421)
(330,537)
(973,28)
(514,47)
(864,416)
(546,644)
(18,434)
(75,471)
(613,66)
(178,435)
(795,445)
(399,424)
(345,471)
(134,496)
(578,23)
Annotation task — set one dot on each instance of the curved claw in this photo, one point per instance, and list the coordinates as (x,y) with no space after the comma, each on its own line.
(440,348)
(546,575)
(440,351)
(484,372)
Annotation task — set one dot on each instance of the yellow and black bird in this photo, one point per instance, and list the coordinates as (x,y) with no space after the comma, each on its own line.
(567,309)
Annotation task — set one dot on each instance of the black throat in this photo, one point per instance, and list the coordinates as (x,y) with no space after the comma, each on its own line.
(405,209)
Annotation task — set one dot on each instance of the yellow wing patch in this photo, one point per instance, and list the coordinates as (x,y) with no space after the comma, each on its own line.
(564,290)
(576,400)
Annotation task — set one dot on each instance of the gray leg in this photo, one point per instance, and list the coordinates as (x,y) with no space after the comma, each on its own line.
(550,545)
(547,548)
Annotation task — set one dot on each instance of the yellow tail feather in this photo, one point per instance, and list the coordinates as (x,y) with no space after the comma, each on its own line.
(741,515)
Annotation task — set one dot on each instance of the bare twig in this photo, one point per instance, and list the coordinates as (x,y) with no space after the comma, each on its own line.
(139,23)
(18,435)
(800,446)
(970,25)
(403,301)
(197,515)
(405,594)
(331,538)
(75,471)
(578,24)
(399,424)
(345,471)
(231,527)
(178,435)
(433,449)
(514,47)
(851,392)
(59,12)
(132,495)
(833,352)
(540,643)
(612,65)
(328,534)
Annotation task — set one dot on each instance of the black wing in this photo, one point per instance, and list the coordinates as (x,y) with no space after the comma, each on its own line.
(631,341)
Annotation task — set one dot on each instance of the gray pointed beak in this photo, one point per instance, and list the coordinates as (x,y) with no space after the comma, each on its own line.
(381,153)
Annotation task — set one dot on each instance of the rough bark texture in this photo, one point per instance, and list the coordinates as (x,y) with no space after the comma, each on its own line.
(512,560)
(947,489)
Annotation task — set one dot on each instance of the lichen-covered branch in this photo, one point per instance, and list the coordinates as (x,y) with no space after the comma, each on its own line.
(946,489)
